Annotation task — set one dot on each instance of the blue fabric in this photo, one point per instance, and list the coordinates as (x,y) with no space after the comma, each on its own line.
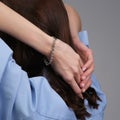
(23,98)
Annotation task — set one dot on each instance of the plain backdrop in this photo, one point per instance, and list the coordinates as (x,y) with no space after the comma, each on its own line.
(101,18)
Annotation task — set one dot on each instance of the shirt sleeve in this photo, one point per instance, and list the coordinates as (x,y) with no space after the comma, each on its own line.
(23,98)
(99,113)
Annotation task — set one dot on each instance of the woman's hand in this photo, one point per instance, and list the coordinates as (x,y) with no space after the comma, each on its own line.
(84,52)
(88,62)
(67,63)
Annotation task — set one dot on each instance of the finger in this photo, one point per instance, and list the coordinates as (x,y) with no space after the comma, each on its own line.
(81,65)
(90,60)
(75,88)
(84,82)
(78,74)
(87,86)
(78,71)
(81,62)
(88,64)
(87,73)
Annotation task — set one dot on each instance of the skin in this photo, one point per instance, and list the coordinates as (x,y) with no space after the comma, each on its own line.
(28,33)
(83,51)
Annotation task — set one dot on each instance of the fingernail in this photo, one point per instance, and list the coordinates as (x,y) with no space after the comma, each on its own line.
(81,96)
(82,85)
(83,90)
(84,68)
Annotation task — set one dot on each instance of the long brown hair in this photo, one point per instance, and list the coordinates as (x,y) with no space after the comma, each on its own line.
(51,17)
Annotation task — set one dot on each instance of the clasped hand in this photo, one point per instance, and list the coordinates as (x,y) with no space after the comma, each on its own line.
(70,66)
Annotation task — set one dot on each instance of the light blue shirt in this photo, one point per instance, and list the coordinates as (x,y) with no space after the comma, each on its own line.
(24,98)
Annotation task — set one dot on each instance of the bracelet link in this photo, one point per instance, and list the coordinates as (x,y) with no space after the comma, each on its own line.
(51,55)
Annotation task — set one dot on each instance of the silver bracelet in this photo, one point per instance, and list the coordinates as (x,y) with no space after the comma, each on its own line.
(51,55)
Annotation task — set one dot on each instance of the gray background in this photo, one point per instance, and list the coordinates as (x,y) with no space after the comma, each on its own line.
(101,18)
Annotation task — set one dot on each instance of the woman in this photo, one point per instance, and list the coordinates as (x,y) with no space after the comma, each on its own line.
(35,40)
(43,69)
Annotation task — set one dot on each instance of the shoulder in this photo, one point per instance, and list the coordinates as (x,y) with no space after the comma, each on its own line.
(73,15)
(71,10)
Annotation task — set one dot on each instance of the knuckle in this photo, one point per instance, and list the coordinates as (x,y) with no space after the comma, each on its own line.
(76,70)
(69,79)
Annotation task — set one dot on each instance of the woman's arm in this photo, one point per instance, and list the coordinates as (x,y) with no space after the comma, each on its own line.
(75,27)
(82,50)
(17,26)
(68,66)
(74,21)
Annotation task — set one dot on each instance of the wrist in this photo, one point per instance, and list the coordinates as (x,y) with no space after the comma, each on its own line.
(49,60)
